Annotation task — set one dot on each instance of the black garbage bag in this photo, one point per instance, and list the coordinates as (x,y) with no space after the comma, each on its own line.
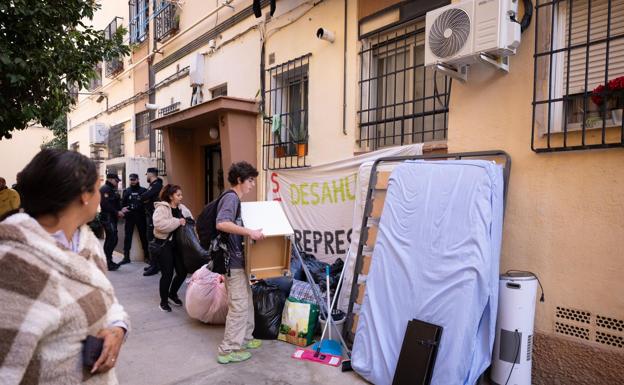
(295,268)
(284,284)
(187,242)
(316,268)
(268,302)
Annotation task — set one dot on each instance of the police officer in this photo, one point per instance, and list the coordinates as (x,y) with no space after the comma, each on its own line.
(135,216)
(148,198)
(110,204)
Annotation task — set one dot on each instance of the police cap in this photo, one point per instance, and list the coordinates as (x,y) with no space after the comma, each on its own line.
(112,176)
(133,176)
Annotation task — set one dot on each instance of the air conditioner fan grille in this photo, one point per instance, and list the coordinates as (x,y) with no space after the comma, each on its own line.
(449,33)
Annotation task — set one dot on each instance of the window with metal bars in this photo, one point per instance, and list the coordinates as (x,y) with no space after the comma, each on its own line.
(116,141)
(160,153)
(285,127)
(578,90)
(166,19)
(96,80)
(114,65)
(139,20)
(142,124)
(401,101)
(220,90)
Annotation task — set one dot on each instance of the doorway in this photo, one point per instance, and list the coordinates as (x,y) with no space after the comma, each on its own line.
(214,173)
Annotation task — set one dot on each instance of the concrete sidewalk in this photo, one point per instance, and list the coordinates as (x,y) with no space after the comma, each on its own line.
(170,348)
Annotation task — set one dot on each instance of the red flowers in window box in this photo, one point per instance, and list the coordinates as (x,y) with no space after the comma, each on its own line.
(613,89)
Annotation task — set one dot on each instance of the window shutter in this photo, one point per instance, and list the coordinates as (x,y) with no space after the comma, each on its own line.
(597,52)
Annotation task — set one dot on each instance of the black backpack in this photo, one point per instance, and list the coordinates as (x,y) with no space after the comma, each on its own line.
(206,227)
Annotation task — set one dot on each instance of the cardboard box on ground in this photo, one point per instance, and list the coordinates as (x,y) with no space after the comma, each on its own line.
(269,257)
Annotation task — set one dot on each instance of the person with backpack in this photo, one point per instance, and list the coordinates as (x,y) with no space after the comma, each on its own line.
(169,215)
(239,323)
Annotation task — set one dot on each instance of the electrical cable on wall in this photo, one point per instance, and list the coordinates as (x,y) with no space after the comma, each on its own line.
(526,18)
(437,94)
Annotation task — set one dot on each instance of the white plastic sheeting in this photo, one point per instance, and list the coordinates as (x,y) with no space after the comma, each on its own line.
(436,259)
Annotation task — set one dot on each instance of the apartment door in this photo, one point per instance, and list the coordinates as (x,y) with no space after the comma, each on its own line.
(214,173)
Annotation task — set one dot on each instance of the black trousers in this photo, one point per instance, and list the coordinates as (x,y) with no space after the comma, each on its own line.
(150,235)
(110,229)
(135,219)
(169,261)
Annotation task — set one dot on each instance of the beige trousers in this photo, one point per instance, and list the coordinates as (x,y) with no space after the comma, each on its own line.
(239,324)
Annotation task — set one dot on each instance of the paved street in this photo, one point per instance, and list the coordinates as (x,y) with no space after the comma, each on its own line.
(170,348)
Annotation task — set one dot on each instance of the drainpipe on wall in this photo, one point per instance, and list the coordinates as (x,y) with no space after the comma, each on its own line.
(344,74)
(262,85)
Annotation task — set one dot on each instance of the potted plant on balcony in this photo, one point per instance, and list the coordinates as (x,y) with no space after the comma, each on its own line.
(613,94)
(299,136)
(279,147)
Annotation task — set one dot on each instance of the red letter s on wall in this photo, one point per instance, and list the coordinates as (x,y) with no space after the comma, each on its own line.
(276,187)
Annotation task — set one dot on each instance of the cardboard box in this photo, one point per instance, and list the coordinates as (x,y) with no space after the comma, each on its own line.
(269,257)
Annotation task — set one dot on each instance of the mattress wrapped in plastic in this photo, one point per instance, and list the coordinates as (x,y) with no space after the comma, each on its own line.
(436,259)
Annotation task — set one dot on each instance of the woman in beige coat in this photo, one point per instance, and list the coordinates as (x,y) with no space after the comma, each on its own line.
(169,214)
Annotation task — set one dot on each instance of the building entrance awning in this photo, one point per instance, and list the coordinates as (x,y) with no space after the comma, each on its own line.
(197,116)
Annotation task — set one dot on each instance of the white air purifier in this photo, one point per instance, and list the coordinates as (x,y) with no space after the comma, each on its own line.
(511,359)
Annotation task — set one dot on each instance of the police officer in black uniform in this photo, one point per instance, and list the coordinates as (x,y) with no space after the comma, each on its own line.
(135,216)
(110,204)
(148,198)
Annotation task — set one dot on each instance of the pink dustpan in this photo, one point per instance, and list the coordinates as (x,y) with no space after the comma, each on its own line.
(322,358)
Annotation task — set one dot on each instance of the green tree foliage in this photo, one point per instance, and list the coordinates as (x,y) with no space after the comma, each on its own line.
(59,129)
(46,46)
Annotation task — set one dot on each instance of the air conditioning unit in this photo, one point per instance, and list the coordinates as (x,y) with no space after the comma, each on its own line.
(98,133)
(458,33)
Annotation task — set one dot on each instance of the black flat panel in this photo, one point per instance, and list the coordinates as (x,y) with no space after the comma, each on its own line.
(418,353)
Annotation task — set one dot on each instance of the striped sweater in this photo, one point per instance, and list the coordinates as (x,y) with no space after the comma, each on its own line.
(50,300)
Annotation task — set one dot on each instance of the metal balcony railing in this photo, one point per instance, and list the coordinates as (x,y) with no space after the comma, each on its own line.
(113,67)
(166,21)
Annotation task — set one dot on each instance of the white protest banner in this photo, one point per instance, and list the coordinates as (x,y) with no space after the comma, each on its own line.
(319,201)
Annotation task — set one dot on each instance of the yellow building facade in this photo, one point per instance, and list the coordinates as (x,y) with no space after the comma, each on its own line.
(228,85)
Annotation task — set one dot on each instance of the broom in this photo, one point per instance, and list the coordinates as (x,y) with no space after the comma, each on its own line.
(328,352)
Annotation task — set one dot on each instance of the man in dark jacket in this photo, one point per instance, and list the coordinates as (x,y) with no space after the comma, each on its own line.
(110,204)
(149,197)
(134,212)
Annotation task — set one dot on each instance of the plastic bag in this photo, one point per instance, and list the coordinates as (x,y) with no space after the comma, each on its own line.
(298,322)
(268,302)
(303,291)
(316,267)
(193,255)
(284,284)
(206,297)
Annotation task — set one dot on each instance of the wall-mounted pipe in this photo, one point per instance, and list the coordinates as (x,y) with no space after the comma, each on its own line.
(344,74)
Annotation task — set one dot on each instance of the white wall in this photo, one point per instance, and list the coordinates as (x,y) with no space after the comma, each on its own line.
(16,153)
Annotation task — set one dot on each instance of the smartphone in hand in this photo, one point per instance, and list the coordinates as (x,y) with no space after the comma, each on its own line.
(91,350)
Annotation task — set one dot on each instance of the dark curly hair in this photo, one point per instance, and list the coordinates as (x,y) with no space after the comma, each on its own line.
(242,170)
(54,179)
(167,192)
